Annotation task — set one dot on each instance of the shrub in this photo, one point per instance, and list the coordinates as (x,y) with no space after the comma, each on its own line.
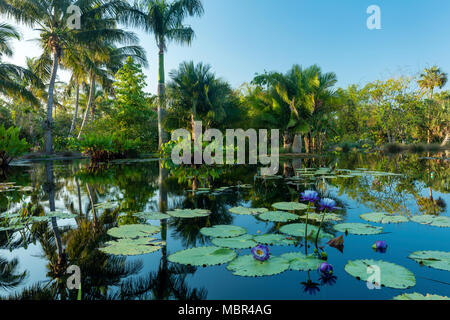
(11,146)
(107,147)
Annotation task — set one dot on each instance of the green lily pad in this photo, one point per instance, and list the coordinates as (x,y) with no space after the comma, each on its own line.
(247,266)
(391,274)
(151,215)
(242,242)
(435,221)
(383,217)
(418,296)
(288,206)
(189,213)
(358,228)
(278,216)
(300,262)
(133,231)
(273,239)
(318,217)
(106,205)
(132,247)
(298,230)
(248,211)
(203,256)
(223,231)
(434,259)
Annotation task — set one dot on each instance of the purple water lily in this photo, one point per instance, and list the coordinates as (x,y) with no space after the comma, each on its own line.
(380,246)
(261,252)
(310,196)
(326,268)
(327,204)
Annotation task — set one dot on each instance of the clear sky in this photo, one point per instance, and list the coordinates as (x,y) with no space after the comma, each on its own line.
(242,37)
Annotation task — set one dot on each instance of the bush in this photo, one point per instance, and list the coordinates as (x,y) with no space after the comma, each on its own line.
(11,146)
(107,147)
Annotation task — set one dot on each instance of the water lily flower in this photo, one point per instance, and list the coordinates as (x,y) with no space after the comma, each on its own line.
(310,196)
(261,252)
(380,246)
(327,204)
(326,268)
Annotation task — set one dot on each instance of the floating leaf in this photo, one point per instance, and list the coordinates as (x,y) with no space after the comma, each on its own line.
(132,247)
(318,217)
(418,296)
(358,228)
(223,231)
(288,206)
(248,211)
(278,216)
(106,205)
(242,242)
(189,213)
(133,231)
(391,274)
(436,221)
(383,217)
(152,215)
(247,266)
(298,230)
(434,259)
(300,262)
(201,256)
(274,239)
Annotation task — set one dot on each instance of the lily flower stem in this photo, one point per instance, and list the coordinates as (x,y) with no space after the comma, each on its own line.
(320,226)
(306,229)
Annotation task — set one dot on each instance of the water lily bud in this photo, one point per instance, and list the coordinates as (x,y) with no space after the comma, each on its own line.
(326,268)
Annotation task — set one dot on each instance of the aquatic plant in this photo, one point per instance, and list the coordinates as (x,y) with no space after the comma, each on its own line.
(261,252)
(133,231)
(248,266)
(327,204)
(434,259)
(358,228)
(242,242)
(326,268)
(310,196)
(223,231)
(383,217)
(301,262)
(278,216)
(418,296)
(248,211)
(203,256)
(380,246)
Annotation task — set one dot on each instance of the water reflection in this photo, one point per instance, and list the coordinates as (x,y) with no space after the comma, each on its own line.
(80,189)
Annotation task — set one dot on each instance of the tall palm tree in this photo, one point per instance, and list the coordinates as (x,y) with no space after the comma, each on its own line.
(12,76)
(164,19)
(57,37)
(431,79)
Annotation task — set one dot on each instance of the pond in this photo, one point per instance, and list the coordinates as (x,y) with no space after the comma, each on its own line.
(57,214)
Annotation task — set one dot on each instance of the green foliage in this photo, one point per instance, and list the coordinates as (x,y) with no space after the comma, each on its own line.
(107,147)
(11,146)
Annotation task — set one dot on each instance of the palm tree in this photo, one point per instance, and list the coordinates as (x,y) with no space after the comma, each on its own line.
(12,76)
(165,20)
(197,91)
(57,38)
(430,79)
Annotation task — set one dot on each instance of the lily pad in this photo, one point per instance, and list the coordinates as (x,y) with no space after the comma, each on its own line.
(152,215)
(288,206)
(418,296)
(274,239)
(106,205)
(248,211)
(132,247)
(247,266)
(278,216)
(300,262)
(358,228)
(391,274)
(189,213)
(435,221)
(242,242)
(133,231)
(203,256)
(318,217)
(223,231)
(383,217)
(434,259)
(298,230)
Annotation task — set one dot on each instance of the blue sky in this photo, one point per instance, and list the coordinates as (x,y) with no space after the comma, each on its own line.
(242,37)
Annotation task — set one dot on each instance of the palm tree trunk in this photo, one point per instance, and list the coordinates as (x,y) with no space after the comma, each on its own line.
(161,97)
(297,144)
(49,123)
(51,200)
(91,199)
(89,105)
(75,115)
(446,140)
